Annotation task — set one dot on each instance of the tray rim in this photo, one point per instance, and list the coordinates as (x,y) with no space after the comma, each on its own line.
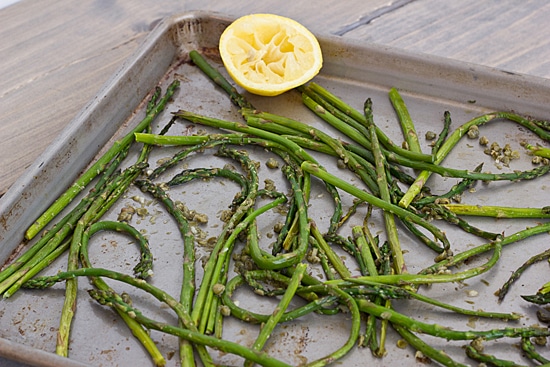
(12,198)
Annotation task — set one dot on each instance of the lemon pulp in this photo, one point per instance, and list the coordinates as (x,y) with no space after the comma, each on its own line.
(268,54)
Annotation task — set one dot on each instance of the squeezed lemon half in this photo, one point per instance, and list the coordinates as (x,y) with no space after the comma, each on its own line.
(268,54)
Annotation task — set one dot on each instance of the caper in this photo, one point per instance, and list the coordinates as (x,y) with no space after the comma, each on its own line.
(430,135)
(272,163)
(473,132)
(483,140)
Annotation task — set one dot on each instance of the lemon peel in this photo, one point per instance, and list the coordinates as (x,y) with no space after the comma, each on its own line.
(268,54)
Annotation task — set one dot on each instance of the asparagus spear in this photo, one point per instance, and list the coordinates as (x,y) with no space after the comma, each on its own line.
(98,166)
(498,211)
(193,336)
(219,79)
(402,213)
(281,308)
(407,125)
(142,268)
(159,294)
(502,291)
(188,283)
(391,229)
(457,135)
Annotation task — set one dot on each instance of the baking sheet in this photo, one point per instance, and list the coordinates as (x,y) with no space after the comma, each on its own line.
(352,70)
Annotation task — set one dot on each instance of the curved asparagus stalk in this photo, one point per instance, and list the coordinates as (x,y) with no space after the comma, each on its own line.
(159,294)
(531,352)
(502,291)
(187,292)
(110,299)
(143,268)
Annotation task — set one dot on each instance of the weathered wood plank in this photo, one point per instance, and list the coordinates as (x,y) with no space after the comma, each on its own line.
(509,35)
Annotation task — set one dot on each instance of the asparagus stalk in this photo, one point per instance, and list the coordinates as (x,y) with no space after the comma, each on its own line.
(281,308)
(454,138)
(530,351)
(402,213)
(353,307)
(188,283)
(142,268)
(453,172)
(407,125)
(391,229)
(502,291)
(414,325)
(331,255)
(219,79)
(498,211)
(488,359)
(426,349)
(455,191)
(159,294)
(98,166)
(444,132)
(453,218)
(226,346)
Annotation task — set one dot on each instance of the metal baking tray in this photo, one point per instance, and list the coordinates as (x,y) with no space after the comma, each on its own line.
(353,70)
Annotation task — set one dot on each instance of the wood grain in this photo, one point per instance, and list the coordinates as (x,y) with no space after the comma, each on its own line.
(509,35)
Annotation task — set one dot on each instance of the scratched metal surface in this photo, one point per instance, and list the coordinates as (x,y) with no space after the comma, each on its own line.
(354,71)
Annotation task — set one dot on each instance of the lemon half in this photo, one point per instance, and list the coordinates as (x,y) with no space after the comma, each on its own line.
(268,54)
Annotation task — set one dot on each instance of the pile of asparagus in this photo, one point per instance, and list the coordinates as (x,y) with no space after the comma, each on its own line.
(369,294)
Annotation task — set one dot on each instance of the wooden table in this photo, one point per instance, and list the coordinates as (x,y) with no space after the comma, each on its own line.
(56,54)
